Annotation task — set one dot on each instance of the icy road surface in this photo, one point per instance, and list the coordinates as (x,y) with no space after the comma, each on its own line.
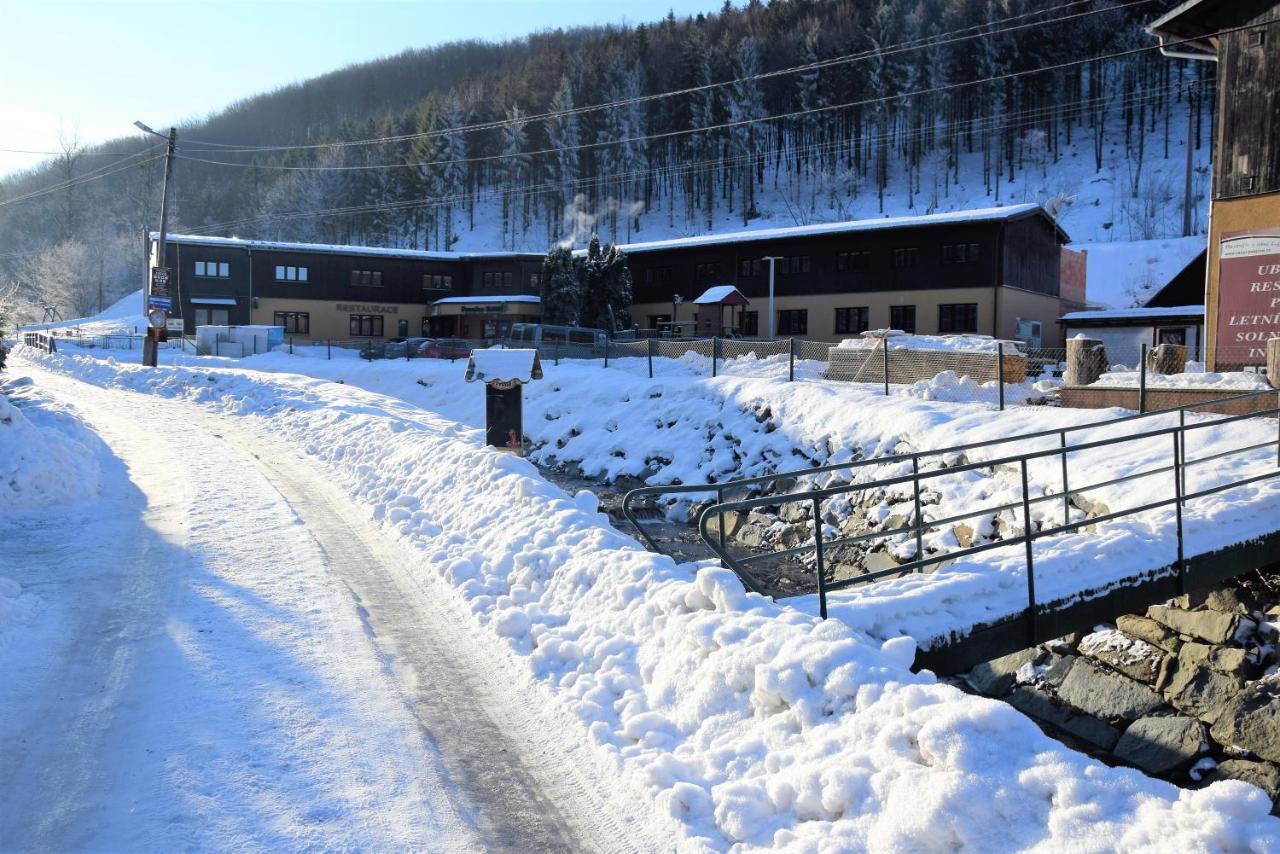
(228,654)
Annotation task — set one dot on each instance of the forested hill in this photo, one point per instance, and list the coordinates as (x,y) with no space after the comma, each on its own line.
(889,115)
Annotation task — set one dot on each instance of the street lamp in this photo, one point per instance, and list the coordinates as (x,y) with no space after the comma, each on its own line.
(151,346)
(771,259)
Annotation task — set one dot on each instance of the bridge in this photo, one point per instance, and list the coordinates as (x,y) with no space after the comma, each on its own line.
(1198,503)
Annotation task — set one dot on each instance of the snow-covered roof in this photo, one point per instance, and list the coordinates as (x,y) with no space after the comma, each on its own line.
(338,249)
(1123,274)
(719,293)
(848,226)
(502,365)
(488,299)
(1135,313)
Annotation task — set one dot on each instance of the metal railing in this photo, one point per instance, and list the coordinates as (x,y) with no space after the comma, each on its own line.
(41,341)
(716,540)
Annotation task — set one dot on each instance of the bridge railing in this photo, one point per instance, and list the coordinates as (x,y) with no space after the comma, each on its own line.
(41,341)
(1025,536)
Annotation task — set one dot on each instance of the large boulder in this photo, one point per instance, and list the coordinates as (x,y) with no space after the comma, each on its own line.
(1039,705)
(1147,629)
(994,678)
(1159,744)
(1107,695)
(1200,691)
(1211,626)
(1135,658)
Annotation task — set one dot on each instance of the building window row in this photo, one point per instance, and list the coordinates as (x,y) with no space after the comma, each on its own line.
(496,280)
(657,275)
(211,316)
(367,278)
(437,282)
(853,320)
(366,326)
(793,321)
(710,270)
(860,260)
(960,253)
(904,258)
(294,322)
(902,317)
(291,274)
(793,265)
(750,267)
(213,269)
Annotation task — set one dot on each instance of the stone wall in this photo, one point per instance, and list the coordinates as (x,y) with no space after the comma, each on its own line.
(1188,691)
(1101,397)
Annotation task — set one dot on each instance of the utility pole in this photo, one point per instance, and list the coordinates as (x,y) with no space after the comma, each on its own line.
(772,313)
(159,278)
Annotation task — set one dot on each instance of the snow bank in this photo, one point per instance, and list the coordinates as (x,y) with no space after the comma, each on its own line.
(124,316)
(899,340)
(1230,381)
(750,724)
(41,465)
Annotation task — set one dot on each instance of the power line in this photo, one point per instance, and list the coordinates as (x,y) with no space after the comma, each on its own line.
(94,175)
(952,37)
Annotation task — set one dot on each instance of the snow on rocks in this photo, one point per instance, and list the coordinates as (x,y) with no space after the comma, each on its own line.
(749,724)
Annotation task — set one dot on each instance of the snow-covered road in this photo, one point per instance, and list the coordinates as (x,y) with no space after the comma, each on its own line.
(228,654)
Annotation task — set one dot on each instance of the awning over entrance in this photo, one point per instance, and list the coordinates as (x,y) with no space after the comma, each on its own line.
(213,301)
(722,295)
(516,304)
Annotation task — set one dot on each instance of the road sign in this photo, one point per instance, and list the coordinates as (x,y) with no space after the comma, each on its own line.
(159,281)
(156,318)
(160,302)
(175,324)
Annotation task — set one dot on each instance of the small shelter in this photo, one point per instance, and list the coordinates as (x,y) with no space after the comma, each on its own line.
(504,373)
(710,309)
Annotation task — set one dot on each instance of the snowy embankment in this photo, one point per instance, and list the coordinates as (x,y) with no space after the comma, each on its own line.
(747,722)
(123,317)
(43,462)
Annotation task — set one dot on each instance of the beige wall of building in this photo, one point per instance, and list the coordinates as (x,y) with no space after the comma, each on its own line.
(332,319)
(822,310)
(1225,215)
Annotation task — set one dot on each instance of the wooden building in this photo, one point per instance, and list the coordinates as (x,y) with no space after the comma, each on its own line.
(1242,293)
(994,271)
(340,292)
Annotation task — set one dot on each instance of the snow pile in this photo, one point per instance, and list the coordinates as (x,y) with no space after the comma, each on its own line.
(1121,376)
(746,721)
(899,340)
(40,465)
(124,316)
(956,388)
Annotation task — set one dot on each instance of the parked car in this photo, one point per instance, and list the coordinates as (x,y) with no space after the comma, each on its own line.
(550,338)
(444,348)
(398,349)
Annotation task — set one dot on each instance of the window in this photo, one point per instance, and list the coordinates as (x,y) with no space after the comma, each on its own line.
(211,317)
(751,323)
(860,260)
(294,322)
(367,279)
(657,275)
(1257,38)
(437,282)
(958,317)
(793,321)
(707,271)
(750,267)
(904,258)
(960,253)
(1175,335)
(852,320)
(366,326)
(213,269)
(793,265)
(496,280)
(535,281)
(291,274)
(902,317)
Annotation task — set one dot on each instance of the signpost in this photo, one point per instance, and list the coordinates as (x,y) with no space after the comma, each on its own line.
(504,373)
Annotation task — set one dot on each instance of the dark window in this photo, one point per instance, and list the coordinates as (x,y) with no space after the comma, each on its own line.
(366,326)
(856,319)
(860,260)
(213,269)
(750,267)
(1172,336)
(367,278)
(1257,38)
(291,274)
(794,265)
(960,253)
(793,321)
(904,258)
(902,317)
(751,323)
(657,274)
(437,282)
(294,322)
(709,270)
(535,281)
(958,317)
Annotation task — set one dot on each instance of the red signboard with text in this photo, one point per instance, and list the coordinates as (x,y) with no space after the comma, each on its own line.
(1248,296)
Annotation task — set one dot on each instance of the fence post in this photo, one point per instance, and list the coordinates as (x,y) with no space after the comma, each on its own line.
(919,520)
(791,359)
(817,545)
(1066,490)
(650,358)
(328,348)
(884,342)
(1142,379)
(1178,463)
(1000,371)
(606,351)
(557,352)
(290,345)
(1031,574)
(715,353)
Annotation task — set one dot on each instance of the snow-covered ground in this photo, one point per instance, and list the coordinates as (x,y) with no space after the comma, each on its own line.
(747,723)
(123,317)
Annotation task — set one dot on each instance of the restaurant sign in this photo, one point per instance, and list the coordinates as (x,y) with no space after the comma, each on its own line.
(485,308)
(1248,295)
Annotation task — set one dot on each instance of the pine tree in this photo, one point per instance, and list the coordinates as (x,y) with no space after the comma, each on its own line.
(564,136)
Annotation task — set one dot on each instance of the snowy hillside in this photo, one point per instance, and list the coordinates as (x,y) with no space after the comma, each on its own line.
(124,316)
(1125,274)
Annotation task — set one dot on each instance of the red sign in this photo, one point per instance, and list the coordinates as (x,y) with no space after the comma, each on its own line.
(1248,296)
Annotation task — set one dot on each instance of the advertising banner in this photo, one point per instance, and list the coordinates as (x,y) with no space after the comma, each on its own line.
(1248,296)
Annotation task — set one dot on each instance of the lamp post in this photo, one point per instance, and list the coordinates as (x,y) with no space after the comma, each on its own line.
(771,259)
(150,348)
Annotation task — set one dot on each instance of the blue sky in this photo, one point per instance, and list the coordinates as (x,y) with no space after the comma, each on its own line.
(91,68)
